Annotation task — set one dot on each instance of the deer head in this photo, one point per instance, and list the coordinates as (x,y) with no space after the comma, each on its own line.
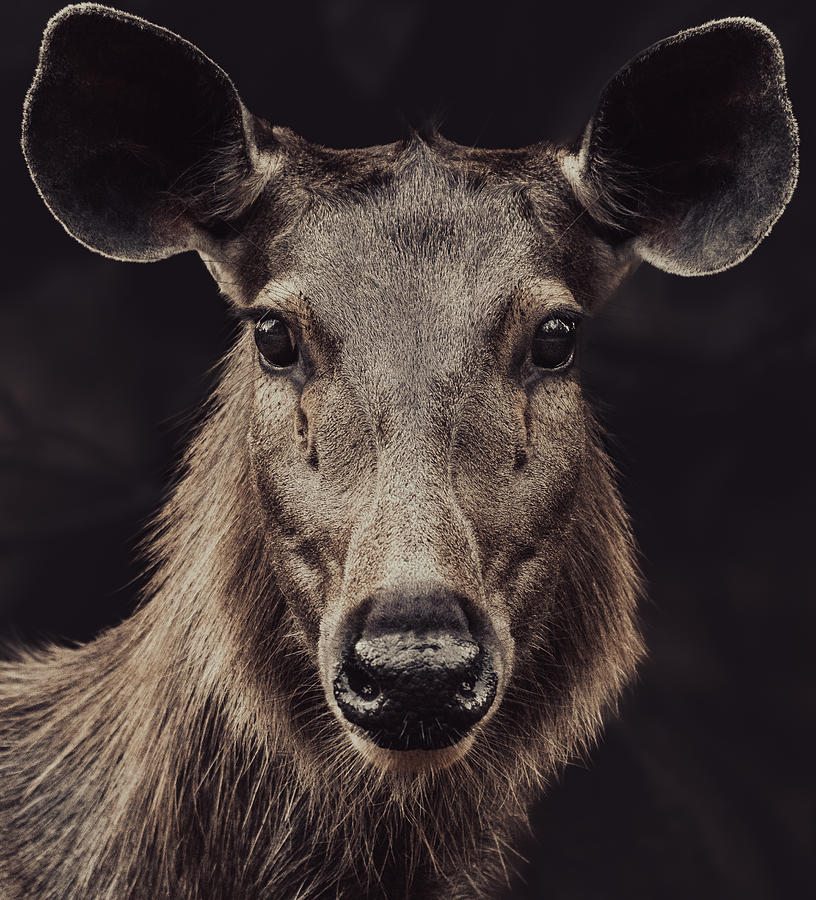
(447,536)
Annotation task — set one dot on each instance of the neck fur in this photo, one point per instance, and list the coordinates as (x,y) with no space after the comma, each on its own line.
(170,747)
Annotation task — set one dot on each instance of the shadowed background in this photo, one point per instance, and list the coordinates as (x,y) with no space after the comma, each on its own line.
(703,788)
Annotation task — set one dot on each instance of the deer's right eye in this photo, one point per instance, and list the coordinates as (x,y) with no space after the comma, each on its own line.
(275,345)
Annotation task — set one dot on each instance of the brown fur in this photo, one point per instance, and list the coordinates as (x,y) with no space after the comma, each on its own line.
(196,750)
(179,775)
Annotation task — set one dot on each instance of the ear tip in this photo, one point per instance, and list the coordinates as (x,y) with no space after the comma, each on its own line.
(61,23)
(758,38)
(87,9)
(742,23)
(752,31)
(69,15)
(754,28)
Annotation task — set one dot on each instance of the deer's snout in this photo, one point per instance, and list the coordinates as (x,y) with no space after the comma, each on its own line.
(419,673)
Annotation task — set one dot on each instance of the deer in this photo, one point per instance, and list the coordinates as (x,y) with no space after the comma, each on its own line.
(394,591)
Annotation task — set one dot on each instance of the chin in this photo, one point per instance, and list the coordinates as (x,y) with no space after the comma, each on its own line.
(410,762)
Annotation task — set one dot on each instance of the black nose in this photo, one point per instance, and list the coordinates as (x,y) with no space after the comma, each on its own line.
(416,677)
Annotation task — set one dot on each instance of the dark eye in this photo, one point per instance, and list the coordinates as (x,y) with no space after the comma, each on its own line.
(554,343)
(275,343)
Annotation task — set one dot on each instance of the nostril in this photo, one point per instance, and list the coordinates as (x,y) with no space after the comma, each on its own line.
(361,682)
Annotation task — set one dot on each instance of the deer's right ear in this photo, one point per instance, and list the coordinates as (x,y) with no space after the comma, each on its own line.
(692,153)
(135,139)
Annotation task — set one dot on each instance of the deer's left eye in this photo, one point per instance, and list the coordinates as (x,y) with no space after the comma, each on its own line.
(554,343)
(275,344)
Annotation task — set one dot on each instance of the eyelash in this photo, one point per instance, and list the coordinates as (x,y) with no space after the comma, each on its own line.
(252,314)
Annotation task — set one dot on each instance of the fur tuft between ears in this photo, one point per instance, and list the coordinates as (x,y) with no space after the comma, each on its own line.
(692,154)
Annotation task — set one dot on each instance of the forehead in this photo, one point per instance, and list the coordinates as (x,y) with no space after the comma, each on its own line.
(430,239)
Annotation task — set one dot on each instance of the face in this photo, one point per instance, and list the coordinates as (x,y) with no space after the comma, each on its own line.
(440,516)
(417,440)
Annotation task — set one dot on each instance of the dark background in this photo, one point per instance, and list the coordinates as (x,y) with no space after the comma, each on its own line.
(703,788)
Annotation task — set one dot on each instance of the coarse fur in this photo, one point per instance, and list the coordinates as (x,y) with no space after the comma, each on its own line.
(209,784)
(195,750)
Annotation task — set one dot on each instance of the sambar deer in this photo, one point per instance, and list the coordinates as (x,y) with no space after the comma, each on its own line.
(394,589)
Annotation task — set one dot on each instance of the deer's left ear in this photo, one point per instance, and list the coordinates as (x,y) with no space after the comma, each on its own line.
(692,153)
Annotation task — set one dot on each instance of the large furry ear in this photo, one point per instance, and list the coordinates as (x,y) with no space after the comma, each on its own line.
(136,140)
(692,153)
